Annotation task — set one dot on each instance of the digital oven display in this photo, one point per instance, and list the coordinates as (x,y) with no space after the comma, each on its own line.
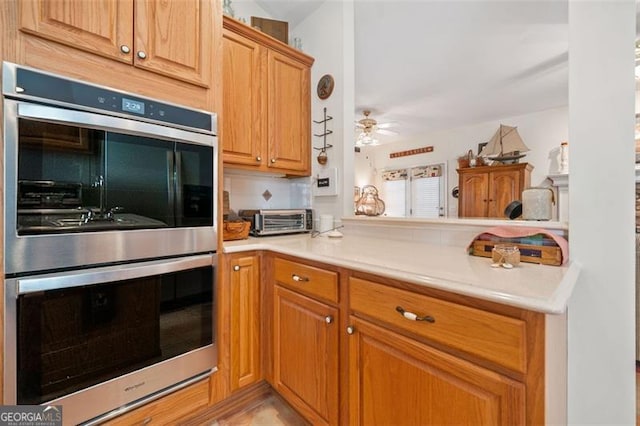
(129,105)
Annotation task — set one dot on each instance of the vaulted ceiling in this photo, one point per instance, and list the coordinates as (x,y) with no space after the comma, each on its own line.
(428,65)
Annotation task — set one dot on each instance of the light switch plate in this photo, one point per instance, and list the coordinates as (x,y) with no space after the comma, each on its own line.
(325,182)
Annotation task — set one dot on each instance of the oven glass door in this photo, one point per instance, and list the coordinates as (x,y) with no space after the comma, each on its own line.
(73,178)
(73,332)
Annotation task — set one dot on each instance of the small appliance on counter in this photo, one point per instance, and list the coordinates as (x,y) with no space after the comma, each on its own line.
(276,222)
(537,203)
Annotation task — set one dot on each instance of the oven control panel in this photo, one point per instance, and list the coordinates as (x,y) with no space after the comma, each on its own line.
(41,85)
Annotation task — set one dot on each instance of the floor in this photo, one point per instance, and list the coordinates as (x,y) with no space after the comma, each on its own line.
(272,411)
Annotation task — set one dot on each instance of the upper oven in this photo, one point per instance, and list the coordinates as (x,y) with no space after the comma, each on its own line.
(95,176)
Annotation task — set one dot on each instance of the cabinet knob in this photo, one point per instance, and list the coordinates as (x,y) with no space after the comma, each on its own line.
(299,278)
(350,329)
(236,267)
(125,49)
(142,55)
(273,160)
(258,158)
(328,319)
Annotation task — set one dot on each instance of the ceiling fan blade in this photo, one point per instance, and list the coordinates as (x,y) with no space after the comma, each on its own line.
(386,125)
(386,132)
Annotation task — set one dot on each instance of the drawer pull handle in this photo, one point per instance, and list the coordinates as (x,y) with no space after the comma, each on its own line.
(413,317)
(299,279)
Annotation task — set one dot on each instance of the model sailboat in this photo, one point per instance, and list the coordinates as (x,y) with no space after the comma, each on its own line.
(505,146)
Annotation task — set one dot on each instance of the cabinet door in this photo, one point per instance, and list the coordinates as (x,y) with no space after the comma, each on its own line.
(504,187)
(396,380)
(473,200)
(174,38)
(289,114)
(244,100)
(305,338)
(97,26)
(244,282)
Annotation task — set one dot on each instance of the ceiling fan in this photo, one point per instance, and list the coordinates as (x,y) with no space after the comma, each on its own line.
(368,126)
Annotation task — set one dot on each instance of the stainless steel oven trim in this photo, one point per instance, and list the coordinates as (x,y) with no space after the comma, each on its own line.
(89,120)
(9,83)
(79,278)
(89,248)
(201,359)
(139,403)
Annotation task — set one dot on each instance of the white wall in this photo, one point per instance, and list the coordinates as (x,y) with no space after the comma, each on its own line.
(327,35)
(601,358)
(245,9)
(541,131)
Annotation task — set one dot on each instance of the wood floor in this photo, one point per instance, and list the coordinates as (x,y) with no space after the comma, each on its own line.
(272,411)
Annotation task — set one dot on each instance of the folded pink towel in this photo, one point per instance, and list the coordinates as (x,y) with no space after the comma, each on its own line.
(518,232)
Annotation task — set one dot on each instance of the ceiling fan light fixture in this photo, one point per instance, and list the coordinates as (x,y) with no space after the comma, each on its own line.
(365,139)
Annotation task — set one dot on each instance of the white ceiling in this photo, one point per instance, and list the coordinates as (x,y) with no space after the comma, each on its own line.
(436,64)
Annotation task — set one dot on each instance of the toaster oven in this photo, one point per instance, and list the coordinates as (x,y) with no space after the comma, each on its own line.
(276,222)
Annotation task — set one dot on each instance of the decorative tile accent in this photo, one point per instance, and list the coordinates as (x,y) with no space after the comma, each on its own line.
(266,195)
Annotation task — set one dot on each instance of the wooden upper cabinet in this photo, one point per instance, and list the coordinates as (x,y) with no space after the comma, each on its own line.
(289,113)
(169,37)
(97,26)
(244,104)
(174,38)
(487,191)
(266,102)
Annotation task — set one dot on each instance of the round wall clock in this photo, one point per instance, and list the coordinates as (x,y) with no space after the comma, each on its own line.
(325,86)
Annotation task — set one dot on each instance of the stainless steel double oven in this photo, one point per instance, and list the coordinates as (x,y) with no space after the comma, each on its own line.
(109,245)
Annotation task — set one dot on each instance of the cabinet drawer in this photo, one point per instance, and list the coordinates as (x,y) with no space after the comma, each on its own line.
(168,409)
(494,337)
(307,279)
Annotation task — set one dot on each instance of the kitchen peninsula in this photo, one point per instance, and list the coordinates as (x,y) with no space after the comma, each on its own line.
(382,318)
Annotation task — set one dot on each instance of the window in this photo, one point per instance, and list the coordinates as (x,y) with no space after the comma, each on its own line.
(414,192)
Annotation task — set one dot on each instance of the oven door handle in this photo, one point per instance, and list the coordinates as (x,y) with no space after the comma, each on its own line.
(106,274)
(107,122)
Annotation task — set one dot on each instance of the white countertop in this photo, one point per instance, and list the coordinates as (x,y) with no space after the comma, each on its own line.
(535,287)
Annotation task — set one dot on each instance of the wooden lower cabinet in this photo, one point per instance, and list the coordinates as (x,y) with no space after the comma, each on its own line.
(170,409)
(305,341)
(396,380)
(244,288)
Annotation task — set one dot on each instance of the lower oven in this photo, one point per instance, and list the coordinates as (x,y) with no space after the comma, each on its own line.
(98,341)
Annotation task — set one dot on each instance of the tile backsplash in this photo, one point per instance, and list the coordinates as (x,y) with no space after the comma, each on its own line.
(247,191)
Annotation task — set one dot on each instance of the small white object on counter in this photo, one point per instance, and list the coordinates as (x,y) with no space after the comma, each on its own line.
(334,234)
